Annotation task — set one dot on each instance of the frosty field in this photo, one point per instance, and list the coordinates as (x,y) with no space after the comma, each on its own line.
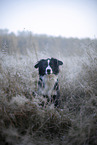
(24,121)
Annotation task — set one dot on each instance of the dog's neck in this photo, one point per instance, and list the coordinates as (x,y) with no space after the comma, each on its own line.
(48,78)
(48,83)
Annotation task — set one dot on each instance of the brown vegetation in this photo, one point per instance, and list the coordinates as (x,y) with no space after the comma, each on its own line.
(23,120)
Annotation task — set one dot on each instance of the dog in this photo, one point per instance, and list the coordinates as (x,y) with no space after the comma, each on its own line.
(48,85)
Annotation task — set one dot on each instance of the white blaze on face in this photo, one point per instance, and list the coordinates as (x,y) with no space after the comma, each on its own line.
(49,68)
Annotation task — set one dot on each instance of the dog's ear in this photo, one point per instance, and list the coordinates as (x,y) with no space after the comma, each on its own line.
(37,65)
(60,62)
(57,61)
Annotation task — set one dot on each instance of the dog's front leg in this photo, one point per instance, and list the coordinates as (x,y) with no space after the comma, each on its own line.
(57,100)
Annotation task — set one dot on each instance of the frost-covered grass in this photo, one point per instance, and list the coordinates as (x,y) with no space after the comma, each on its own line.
(24,121)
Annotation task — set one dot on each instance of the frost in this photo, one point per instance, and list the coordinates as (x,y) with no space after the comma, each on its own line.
(19,100)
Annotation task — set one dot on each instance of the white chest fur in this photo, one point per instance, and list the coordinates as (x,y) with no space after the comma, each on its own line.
(49,82)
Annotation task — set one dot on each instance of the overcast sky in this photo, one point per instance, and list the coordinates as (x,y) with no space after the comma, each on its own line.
(67,18)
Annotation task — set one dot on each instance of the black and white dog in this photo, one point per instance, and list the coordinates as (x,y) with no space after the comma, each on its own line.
(48,79)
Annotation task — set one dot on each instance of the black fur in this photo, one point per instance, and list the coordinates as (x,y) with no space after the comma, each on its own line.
(54,64)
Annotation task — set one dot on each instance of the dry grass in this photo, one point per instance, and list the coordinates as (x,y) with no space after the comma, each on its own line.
(23,120)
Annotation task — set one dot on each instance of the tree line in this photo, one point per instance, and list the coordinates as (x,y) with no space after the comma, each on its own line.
(23,41)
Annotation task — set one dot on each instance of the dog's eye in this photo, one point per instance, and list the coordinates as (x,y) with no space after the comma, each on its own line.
(51,64)
(45,64)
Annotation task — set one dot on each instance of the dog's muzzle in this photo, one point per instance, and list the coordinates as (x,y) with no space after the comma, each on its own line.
(48,71)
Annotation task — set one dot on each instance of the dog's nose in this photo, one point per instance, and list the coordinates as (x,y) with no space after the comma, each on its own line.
(48,71)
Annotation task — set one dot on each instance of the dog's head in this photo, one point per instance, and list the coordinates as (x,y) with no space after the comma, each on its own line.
(48,66)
